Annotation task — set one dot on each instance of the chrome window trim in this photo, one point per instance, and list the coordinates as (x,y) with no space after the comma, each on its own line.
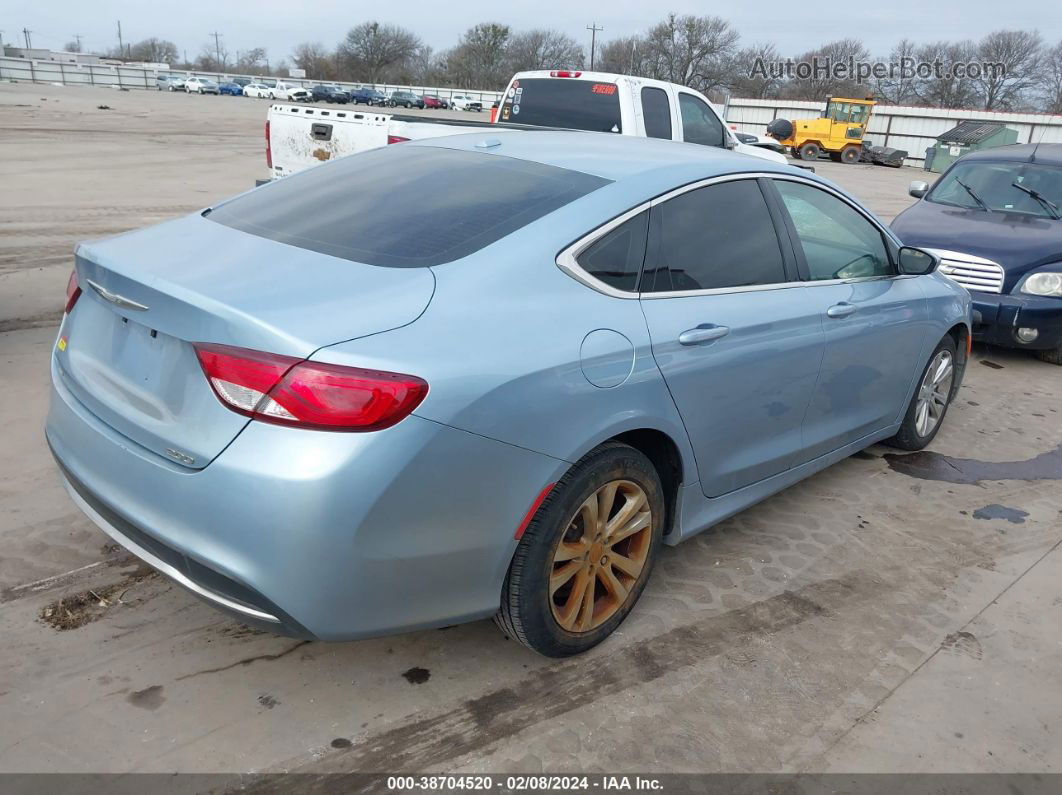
(567,260)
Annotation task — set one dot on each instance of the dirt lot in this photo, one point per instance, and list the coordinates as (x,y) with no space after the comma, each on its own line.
(891,613)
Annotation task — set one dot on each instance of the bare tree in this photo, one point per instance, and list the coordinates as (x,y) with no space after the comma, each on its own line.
(898,88)
(626,56)
(750,73)
(371,48)
(479,59)
(822,81)
(1014,58)
(544,49)
(252,61)
(693,51)
(154,50)
(72,46)
(948,90)
(1050,88)
(316,60)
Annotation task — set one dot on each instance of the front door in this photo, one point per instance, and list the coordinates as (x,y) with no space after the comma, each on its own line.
(731,331)
(875,321)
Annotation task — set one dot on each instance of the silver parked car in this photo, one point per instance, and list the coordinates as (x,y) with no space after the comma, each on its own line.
(494,392)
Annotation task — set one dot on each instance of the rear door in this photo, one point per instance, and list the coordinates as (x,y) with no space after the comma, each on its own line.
(875,320)
(732,333)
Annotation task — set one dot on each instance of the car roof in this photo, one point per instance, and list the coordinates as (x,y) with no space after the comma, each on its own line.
(614,157)
(1049,154)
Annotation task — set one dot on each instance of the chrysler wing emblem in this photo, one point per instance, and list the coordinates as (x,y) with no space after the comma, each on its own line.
(114,298)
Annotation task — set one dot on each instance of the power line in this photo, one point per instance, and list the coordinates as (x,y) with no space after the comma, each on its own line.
(593,28)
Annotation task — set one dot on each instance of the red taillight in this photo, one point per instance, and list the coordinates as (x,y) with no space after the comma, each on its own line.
(565,73)
(288,391)
(73,291)
(269,149)
(396,139)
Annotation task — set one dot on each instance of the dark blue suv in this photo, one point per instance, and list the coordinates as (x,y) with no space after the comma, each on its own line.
(995,221)
(370,96)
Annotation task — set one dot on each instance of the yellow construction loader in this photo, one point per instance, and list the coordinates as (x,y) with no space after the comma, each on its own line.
(839,131)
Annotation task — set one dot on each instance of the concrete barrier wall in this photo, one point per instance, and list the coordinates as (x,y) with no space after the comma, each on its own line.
(898,126)
(136,77)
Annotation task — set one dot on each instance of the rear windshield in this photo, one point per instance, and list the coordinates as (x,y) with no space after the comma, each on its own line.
(563,102)
(405,206)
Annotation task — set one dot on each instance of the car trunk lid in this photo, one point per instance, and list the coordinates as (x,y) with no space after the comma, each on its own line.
(128,344)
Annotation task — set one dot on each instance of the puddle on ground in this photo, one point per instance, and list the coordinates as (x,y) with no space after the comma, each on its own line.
(997,511)
(928,465)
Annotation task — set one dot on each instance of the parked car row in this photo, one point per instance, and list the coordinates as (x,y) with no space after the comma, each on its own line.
(263,88)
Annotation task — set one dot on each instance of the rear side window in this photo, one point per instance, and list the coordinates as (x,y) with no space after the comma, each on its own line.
(405,206)
(656,113)
(713,237)
(563,102)
(616,258)
(700,125)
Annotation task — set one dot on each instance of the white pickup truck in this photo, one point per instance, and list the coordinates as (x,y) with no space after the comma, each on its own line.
(299,137)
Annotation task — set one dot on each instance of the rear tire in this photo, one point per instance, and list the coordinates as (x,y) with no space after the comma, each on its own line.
(559,616)
(929,404)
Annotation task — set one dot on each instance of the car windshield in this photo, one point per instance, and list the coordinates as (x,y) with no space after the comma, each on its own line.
(1012,187)
(393,216)
(563,102)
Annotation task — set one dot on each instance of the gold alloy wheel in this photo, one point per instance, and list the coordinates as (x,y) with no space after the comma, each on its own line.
(601,556)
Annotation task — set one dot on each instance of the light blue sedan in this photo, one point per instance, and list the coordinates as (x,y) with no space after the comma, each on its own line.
(485,375)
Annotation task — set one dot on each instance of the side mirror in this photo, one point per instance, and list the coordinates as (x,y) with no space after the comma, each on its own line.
(918,188)
(916,262)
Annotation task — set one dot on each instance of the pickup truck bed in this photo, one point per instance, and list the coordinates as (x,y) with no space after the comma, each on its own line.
(301,136)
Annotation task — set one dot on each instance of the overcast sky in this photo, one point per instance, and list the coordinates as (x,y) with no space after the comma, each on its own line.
(278,26)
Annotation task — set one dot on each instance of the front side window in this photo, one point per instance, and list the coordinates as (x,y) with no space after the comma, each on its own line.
(656,113)
(700,125)
(838,242)
(616,258)
(713,237)
(376,207)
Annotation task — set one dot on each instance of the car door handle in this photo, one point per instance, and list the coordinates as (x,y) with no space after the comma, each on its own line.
(841,310)
(703,333)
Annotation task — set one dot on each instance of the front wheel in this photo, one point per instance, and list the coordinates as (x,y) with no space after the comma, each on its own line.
(850,154)
(930,402)
(586,555)
(809,151)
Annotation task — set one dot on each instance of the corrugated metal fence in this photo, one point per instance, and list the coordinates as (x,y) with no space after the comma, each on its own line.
(137,77)
(898,126)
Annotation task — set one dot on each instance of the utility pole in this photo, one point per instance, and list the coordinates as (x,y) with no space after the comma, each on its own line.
(593,28)
(77,38)
(217,49)
(121,47)
(26,35)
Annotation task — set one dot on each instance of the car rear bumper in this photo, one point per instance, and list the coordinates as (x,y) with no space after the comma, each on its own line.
(333,536)
(997,318)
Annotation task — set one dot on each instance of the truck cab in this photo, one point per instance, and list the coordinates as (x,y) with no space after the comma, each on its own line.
(615,103)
